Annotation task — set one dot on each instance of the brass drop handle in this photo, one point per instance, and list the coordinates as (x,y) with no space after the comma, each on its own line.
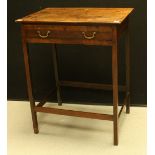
(43,36)
(89,37)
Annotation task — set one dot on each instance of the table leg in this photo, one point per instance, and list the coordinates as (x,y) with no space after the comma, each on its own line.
(29,83)
(127,70)
(115,86)
(56,74)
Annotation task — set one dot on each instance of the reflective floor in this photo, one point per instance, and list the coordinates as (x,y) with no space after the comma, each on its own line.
(66,135)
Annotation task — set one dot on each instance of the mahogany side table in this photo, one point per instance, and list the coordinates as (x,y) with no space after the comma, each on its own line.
(87,26)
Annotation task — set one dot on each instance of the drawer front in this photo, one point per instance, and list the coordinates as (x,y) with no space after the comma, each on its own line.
(69,34)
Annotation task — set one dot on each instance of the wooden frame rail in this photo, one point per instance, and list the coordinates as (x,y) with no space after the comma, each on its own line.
(91,85)
(74,113)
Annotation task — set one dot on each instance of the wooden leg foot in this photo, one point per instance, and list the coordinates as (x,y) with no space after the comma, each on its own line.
(116,143)
(128,104)
(59,103)
(59,97)
(115,132)
(36,131)
(127,110)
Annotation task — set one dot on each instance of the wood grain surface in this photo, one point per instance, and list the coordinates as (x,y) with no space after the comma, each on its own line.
(78,15)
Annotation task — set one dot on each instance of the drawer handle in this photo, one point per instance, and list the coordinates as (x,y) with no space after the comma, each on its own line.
(89,37)
(43,36)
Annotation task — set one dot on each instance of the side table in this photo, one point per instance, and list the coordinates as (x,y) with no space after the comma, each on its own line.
(87,26)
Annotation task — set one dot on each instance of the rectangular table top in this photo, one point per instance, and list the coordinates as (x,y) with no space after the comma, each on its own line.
(78,15)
